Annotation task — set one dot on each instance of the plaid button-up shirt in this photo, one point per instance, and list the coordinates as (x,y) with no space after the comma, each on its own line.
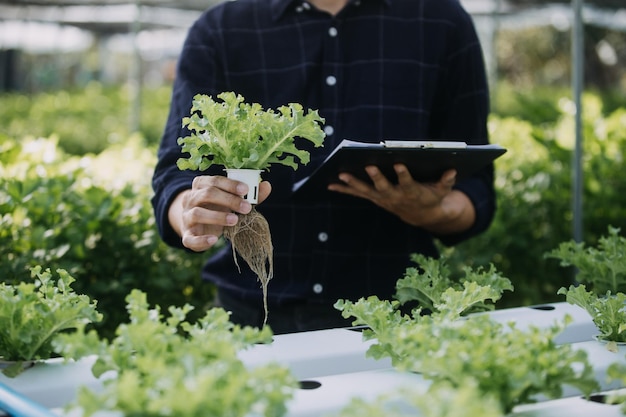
(380,69)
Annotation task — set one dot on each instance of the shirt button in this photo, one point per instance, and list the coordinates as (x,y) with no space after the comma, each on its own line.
(322,237)
(318,288)
(331,80)
(299,9)
(306,6)
(329,130)
(332,32)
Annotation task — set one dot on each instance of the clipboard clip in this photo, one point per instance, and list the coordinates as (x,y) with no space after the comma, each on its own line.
(424,144)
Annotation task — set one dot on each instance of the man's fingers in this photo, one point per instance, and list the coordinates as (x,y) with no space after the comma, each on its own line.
(265,188)
(218,199)
(218,181)
(381,183)
(202,216)
(449,177)
(199,243)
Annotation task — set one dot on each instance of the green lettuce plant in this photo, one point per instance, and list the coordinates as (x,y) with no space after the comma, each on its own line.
(453,349)
(602,268)
(91,216)
(431,285)
(602,278)
(236,134)
(32,315)
(240,135)
(437,401)
(165,365)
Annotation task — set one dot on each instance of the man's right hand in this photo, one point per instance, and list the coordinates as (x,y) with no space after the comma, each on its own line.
(200,214)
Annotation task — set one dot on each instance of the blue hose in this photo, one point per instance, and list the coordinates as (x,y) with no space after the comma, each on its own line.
(17,405)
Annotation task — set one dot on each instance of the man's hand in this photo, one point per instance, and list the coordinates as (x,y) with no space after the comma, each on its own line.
(433,206)
(200,214)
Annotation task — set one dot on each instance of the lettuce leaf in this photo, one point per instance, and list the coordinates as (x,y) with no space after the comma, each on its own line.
(165,362)
(607,312)
(238,135)
(601,268)
(431,286)
(33,314)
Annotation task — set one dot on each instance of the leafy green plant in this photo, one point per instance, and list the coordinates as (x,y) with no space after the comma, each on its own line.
(601,268)
(534,187)
(438,401)
(602,274)
(431,285)
(33,314)
(170,366)
(236,134)
(92,217)
(617,372)
(239,135)
(86,120)
(607,312)
(510,365)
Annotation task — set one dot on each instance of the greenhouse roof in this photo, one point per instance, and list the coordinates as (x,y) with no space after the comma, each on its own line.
(203,4)
(108,17)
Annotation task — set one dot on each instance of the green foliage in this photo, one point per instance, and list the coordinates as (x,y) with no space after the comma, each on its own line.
(534,194)
(433,288)
(538,106)
(503,362)
(602,268)
(87,120)
(438,401)
(435,293)
(617,372)
(169,366)
(606,311)
(237,135)
(33,314)
(92,217)
(511,365)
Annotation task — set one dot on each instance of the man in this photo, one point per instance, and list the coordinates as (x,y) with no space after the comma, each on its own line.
(375,70)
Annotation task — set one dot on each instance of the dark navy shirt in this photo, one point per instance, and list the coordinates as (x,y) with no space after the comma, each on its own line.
(380,69)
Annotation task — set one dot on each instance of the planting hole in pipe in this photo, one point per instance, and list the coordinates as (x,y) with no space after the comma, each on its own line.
(544,308)
(310,384)
(359,328)
(604,399)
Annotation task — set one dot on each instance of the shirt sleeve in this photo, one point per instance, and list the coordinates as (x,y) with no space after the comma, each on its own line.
(196,74)
(462,110)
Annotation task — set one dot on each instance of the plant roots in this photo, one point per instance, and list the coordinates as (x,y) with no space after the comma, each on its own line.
(252,240)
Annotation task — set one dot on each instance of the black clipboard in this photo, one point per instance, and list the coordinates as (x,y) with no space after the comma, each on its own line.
(426,161)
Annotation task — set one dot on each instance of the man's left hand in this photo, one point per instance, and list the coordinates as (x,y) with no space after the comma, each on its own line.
(432,206)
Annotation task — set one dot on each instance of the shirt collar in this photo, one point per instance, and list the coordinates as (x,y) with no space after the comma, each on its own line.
(280,6)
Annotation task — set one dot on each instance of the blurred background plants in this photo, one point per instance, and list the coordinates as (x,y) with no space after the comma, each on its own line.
(91,215)
(534,188)
(89,212)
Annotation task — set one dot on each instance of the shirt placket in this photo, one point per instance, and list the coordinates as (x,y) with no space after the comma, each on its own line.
(330,95)
(332,79)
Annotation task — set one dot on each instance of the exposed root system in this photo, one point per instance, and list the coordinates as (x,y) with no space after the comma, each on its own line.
(251,239)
